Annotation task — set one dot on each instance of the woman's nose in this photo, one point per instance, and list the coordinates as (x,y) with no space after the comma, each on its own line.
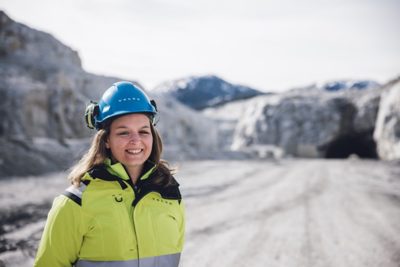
(135,137)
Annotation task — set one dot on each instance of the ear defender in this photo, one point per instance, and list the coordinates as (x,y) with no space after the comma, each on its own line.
(154,104)
(92,109)
(154,118)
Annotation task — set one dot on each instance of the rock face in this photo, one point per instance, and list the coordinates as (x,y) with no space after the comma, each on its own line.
(43,94)
(43,90)
(185,133)
(387,131)
(206,91)
(43,87)
(311,124)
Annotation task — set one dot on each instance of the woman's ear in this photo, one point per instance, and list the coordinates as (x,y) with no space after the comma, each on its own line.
(108,142)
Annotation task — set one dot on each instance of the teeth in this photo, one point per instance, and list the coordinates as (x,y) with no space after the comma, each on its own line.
(134,151)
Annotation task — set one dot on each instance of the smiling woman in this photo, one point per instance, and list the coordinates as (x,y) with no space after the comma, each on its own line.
(124,207)
(130,142)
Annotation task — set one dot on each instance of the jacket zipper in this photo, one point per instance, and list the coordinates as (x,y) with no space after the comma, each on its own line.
(136,193)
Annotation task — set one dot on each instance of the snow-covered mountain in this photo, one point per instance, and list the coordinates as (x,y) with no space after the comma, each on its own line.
(333,86)
(205,91)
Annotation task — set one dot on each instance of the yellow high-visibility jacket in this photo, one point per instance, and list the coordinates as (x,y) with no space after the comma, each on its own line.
(107,221)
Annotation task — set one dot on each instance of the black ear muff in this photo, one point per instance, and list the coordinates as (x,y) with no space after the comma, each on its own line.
(155,118)
(154,104)
(92,110)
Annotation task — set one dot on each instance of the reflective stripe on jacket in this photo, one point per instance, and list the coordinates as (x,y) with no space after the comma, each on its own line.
(164,261)
(111,223)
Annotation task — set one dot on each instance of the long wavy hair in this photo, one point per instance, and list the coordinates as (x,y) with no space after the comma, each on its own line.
(98,152)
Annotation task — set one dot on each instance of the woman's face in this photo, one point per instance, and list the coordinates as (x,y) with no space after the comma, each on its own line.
(130,140)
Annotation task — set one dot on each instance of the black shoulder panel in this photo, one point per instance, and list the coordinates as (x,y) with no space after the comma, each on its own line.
(75,193)
(171,192)
(73,197)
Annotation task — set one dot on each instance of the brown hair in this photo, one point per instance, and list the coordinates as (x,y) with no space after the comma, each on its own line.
(98,152)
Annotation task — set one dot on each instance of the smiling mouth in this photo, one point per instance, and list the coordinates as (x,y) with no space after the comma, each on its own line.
(134,151)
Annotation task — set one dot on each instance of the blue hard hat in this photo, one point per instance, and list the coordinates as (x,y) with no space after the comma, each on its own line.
(121,98)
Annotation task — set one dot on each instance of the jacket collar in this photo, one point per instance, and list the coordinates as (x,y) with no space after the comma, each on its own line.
(119,170)
(116,172)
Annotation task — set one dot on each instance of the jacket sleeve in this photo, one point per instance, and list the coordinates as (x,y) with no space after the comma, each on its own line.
(62,236)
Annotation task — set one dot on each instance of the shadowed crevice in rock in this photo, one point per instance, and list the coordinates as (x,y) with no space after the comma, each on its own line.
(362,145)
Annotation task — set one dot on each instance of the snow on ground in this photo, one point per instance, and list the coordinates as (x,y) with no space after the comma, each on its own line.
(251,213)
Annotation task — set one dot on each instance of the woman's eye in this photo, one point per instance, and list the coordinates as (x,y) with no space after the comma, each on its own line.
(144,132)
(122,133)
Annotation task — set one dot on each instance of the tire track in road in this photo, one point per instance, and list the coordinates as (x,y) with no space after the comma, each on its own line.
(318,184)
(377,214)
(347,215)
(296,205)
(236,197)
(259,219)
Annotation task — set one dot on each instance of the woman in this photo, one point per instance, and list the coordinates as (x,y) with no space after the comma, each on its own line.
(124,207)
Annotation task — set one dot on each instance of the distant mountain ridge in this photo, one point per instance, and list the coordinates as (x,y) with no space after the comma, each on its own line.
(349,85)
(200,92)
(340,86)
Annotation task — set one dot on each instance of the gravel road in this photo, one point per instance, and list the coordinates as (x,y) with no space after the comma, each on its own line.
(292,213)
(300,213)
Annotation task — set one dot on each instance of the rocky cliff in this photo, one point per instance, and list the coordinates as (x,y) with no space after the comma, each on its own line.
(387,130)
(43,93)
(314,123)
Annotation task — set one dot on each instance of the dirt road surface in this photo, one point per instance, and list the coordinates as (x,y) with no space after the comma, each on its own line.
(300,213)
(292,213)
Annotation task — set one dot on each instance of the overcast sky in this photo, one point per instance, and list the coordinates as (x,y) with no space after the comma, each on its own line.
(271,45)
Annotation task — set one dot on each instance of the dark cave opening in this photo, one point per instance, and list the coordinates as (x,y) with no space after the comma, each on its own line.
(362,145)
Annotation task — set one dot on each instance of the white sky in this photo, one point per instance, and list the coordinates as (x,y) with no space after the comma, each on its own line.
(271,45)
